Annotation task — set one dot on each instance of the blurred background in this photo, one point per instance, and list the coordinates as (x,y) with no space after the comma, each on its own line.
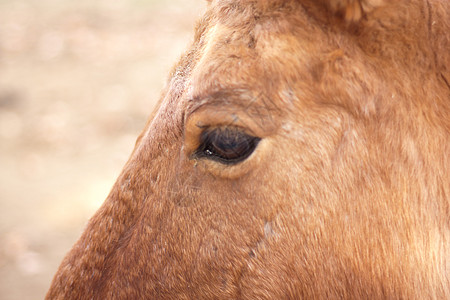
(78,80)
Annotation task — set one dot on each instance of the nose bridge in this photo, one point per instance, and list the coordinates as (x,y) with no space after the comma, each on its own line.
(166,125)
(135,219)
(155,158)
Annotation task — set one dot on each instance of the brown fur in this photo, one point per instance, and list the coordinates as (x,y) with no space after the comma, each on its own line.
(346,196)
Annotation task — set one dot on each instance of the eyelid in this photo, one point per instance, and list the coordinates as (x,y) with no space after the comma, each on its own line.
(217,116)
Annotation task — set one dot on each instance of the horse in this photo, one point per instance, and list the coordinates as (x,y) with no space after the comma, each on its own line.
(300,150)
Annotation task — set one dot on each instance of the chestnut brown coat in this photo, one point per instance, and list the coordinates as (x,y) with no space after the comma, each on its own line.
(301,150)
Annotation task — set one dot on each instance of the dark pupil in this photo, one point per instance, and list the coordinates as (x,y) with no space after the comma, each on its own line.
(226,145)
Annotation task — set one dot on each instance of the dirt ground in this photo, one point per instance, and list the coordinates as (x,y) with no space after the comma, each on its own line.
(77,82)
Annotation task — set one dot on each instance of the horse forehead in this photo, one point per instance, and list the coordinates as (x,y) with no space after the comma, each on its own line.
(249,58)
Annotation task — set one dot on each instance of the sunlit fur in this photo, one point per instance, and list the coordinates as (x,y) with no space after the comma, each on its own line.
(347,194)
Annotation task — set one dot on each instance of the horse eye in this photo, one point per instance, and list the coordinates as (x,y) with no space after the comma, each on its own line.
(228,145)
